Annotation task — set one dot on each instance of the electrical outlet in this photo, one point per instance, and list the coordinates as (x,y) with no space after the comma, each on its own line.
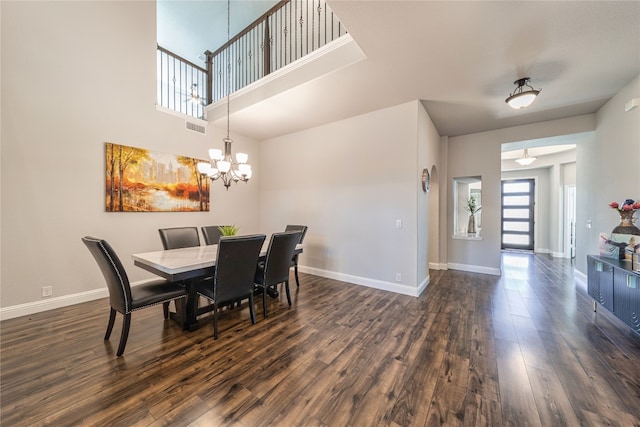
(398,223)
(398,277)
(47,291)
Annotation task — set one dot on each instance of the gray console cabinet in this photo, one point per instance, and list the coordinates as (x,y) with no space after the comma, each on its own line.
(613,284)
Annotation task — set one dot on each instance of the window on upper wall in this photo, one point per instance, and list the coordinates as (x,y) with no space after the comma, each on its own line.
(467,201)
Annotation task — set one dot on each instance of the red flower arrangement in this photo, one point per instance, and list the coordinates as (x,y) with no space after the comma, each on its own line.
(627,206)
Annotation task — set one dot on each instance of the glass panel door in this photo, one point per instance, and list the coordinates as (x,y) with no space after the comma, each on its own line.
(517,214)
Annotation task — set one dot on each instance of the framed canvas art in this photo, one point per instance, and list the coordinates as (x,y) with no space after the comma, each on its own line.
(139,180)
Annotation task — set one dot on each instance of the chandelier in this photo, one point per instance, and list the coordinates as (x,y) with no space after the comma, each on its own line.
(521,98)
(222,164)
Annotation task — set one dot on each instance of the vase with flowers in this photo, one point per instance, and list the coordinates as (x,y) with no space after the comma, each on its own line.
(472,207)
(626,211)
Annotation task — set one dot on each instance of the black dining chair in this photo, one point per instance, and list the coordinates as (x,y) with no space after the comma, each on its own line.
(125,299)
(232,281)
(211,234)
(277,264)
(294,260)
(179,237)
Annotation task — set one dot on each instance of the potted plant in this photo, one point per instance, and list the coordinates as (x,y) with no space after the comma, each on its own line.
(228,230)
(472,207)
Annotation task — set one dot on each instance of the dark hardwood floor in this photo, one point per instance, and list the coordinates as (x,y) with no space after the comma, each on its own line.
(521,349)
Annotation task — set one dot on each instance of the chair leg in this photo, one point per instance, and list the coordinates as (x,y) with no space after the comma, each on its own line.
(215,320)
(125,333)
(252,309)
(286,287)
(295,270)
(264,301)
(165,309)
(112,319)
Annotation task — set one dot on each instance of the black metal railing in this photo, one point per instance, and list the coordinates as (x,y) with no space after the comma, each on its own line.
(291,29)
(182,85)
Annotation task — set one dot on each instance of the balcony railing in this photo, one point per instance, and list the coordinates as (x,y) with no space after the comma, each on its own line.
(291,29)
(182,85)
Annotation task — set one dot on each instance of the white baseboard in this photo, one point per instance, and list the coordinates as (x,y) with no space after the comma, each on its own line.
(423,285)
(51,303)
(370,283)
(437,266)
(552,253)
(56,302)
(475,269)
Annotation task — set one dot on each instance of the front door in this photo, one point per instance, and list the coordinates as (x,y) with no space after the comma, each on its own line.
(517,214)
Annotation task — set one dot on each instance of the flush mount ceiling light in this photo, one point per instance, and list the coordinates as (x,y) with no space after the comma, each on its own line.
(521,98)
(525,160)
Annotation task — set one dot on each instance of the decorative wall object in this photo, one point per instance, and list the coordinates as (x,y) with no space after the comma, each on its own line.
(139,180)
(426,180)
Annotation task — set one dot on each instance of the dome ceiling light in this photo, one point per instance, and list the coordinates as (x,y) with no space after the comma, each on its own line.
(521,98)
(525,160)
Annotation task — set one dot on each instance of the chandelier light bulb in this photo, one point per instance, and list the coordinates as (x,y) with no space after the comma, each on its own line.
(242,157)
(224,166)
(203,168)
(215,154)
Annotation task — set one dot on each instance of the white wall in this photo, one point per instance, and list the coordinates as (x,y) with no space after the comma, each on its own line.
(75,75)
(428,203)
(607,170)
(350,181)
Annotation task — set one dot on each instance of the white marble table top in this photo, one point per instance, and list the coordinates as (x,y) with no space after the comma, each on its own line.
(176,261)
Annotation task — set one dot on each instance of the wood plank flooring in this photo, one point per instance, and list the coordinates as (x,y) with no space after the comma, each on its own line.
(474,350)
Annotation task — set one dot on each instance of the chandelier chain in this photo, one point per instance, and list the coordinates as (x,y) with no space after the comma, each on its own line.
(228,63)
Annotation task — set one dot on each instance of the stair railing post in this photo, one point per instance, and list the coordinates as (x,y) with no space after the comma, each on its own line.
(209,95)
(267,48)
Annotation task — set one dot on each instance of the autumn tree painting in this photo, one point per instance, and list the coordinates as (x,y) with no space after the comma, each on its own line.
(139,180)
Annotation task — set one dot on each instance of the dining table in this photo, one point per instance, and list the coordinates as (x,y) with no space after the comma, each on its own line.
(187,265)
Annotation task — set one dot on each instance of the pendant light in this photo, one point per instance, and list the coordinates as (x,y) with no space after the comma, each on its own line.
(525,160)
(521,98)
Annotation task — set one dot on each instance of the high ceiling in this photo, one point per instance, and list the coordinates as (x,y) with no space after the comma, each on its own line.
(190,27)
(461,59)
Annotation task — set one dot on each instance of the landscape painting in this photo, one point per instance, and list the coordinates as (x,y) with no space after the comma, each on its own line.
(139,180)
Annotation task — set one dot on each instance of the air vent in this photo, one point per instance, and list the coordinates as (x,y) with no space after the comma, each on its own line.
(195,127)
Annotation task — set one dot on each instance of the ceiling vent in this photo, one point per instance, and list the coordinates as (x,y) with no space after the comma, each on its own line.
(195,127)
